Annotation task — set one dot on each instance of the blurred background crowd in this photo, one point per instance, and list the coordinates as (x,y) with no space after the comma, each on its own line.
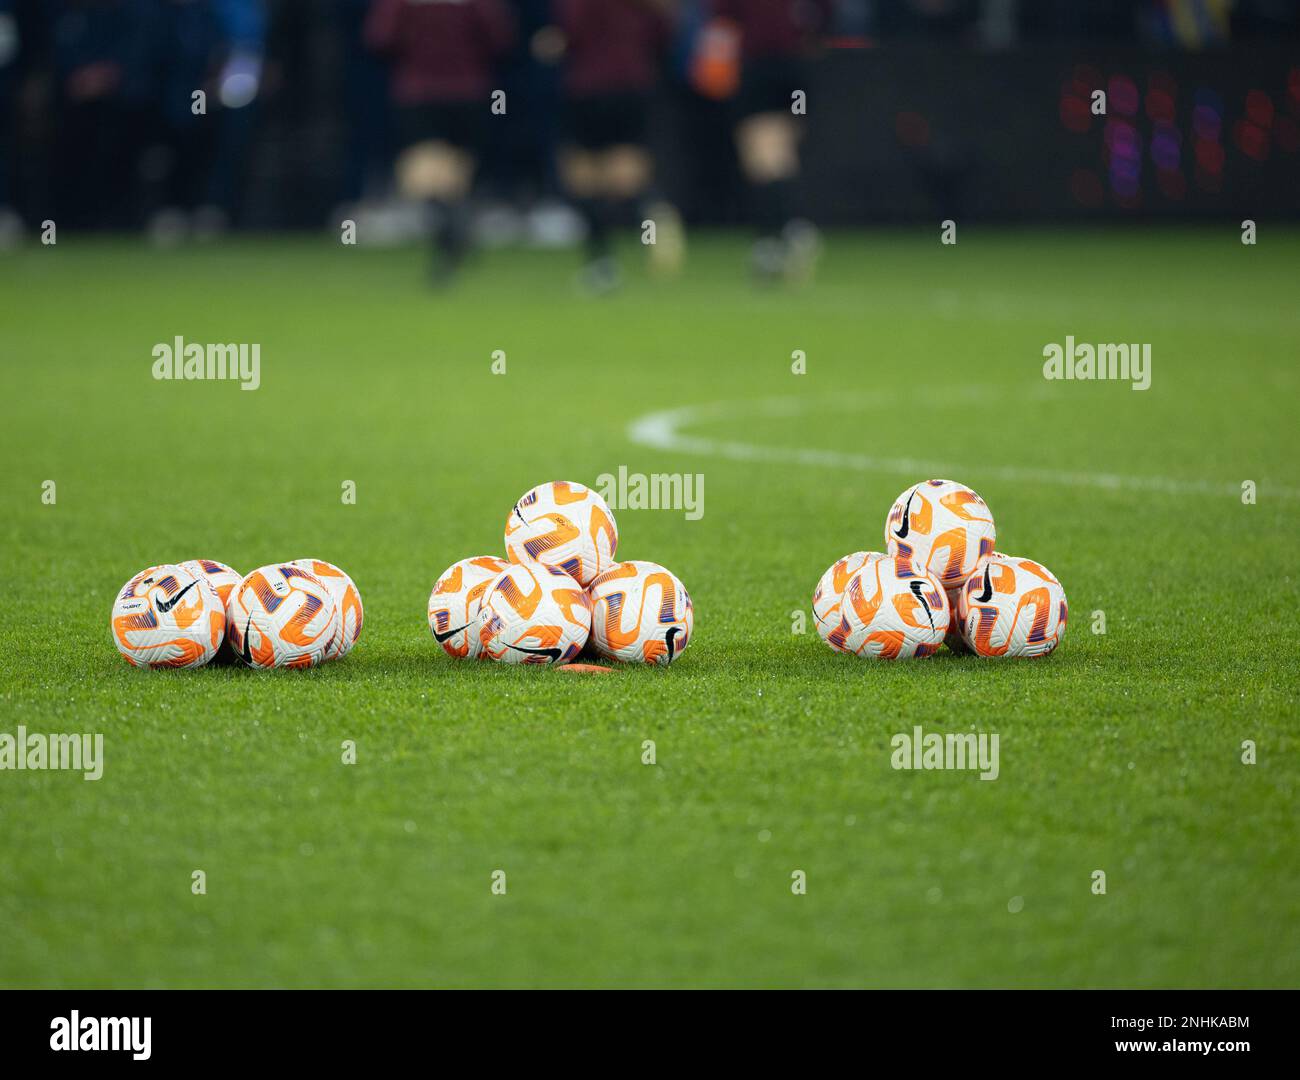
(307,108)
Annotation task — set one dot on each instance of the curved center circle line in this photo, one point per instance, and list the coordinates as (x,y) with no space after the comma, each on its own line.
(663,430)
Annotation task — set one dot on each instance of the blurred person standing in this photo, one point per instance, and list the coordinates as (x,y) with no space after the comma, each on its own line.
(10,44)
(104,95)
(183,44)
(775,40)
(368,156)
(613,51)
(441,56)
(242,26)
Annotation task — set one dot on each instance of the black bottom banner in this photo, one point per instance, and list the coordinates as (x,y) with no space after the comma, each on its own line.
(341,1028)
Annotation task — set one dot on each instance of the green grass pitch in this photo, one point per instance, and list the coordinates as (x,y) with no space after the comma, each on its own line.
(1122,752)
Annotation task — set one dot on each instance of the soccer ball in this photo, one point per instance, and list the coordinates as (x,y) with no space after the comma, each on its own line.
(167,617)
(454,604)
(220,576)
(282,616)
(640,612)
(891,610)
(1014,608)
(830,590)
(223,578)
(943,527)
(532,613)
(566,525)
(347,598)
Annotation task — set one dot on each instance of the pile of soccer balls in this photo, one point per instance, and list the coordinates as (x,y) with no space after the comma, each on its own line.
(940,581)
(295,614)
(560,591)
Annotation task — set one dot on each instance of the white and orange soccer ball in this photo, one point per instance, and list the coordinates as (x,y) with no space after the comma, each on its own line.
(944,528)
(640,613)
(1015,607)
(221,577)
(532,613)
(167,617)
(566,525)
(282,616)
(891,610)
(347,598)
(454,604)
(830,590)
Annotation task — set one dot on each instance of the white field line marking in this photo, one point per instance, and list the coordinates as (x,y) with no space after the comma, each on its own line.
(663,431)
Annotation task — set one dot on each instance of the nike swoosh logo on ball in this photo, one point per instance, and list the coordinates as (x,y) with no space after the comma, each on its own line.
(916,591)
(987,594)
(165,606)
(554,654)
(673,631)
(901,532)
(444,636)
(247,654)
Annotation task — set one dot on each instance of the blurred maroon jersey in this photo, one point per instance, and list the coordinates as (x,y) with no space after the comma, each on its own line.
(613,45)
(776,27)
(440,50)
